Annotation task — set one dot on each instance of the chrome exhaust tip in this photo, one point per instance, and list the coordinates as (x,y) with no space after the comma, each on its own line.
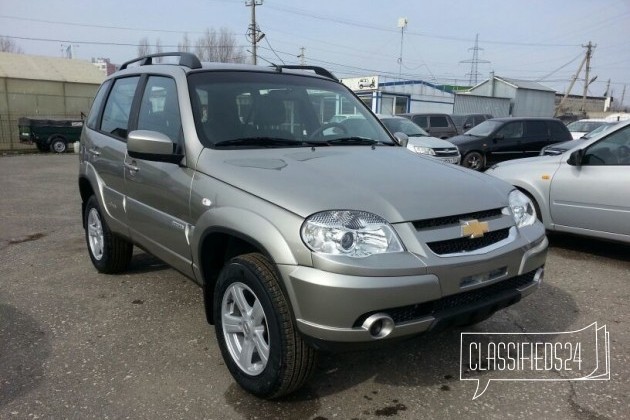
(378,325)
(539,276)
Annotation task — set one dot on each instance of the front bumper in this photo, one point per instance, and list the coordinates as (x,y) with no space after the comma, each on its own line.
(332,307)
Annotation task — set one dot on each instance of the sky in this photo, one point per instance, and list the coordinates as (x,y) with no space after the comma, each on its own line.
(539,40)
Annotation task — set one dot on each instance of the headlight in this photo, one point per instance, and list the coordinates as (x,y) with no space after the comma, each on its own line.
(522,208)
(349,232)
(424,150)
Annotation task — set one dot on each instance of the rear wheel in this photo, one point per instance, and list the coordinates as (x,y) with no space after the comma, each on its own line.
(260,344)
(474,160)
(109,253)
(58,145)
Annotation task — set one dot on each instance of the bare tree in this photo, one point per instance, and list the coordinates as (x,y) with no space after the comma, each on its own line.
(185,45)
(8,45)
(144,48)
(219,46)
(158,50)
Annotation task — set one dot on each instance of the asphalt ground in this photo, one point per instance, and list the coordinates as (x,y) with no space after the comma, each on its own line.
(78,344)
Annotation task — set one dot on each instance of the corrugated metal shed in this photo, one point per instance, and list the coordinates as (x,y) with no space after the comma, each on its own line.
(22,66)
(528,99)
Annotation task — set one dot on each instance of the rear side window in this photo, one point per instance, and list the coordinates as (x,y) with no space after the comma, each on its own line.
(118,107)
(537,128)
(559,131)
(439,122)
(92,120)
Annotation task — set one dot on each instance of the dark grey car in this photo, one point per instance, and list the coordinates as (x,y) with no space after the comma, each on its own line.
(437,125)
(304,234)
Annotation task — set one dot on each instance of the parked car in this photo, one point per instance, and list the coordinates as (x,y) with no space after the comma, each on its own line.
(559,148)
(583,190)
(502,139)
(437,125)
(303,234)
(581,127)
(420,141)
(467,121)
(50,135)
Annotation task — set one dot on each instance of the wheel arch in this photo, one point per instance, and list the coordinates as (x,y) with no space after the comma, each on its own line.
(225,238)
(86,191)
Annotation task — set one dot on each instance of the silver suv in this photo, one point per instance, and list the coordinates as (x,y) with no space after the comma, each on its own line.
(303,234)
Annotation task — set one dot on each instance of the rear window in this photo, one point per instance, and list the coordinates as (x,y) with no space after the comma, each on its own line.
(559,131)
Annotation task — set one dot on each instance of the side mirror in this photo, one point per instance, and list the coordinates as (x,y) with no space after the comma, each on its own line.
(467,126)
(401,138)
(576,158)
(152,145)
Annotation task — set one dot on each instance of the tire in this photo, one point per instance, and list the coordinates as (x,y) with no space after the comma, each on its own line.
(58,145)
(262,348)
(109,252)
(474,160)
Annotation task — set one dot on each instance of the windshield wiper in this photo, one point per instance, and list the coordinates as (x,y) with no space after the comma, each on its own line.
(358,141)
(260,142)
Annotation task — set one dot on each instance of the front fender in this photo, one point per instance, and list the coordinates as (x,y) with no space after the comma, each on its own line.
(247,225)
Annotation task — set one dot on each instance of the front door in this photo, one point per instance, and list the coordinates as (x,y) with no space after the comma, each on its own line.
(158,192)
(596,195)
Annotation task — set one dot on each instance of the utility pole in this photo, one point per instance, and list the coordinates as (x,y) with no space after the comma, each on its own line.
(623,95)
(302,57)
(402,24)
(586,60)
(253,32)
(589,52)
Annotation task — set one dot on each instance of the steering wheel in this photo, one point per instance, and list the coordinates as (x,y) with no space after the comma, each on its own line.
(328,126)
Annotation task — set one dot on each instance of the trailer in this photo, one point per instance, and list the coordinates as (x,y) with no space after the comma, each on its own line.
(49,135)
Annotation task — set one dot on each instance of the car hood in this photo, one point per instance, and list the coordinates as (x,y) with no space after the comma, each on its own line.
(432,142)
(391,182)
(463,139)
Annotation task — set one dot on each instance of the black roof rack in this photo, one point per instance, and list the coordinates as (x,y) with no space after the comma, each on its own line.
(185,59)
(318,70)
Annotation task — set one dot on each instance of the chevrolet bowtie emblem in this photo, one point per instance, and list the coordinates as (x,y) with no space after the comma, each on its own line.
(474,228)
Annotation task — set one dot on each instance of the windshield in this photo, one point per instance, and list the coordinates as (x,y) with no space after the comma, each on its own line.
(403,125)
(598,130)
(258,109)
(584,126)
(484,129)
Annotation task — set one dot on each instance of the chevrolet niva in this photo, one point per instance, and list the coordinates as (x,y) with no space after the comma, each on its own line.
(303,234)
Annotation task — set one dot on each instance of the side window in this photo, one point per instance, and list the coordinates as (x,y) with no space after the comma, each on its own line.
(537,129)
(439,122)
(559,131)
(97,105)
(511,130)
(612,150)
(118,107)
(159,108)
(421,120)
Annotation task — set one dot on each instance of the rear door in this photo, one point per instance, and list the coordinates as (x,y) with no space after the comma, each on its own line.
(158,193)
(105,146)
(596,195)
(536,137)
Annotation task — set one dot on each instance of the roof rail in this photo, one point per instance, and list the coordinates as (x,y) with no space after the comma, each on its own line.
(185,59)
(318,70)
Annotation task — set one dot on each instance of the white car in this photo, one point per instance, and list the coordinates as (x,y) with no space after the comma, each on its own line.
(420,141)
(581,127)
(583,190)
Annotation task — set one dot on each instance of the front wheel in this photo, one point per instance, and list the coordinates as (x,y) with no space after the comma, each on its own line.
(473,160)
(258,340)
(109,253)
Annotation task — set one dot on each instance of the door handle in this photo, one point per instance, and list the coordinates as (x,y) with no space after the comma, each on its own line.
(94,152)
(132,168)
